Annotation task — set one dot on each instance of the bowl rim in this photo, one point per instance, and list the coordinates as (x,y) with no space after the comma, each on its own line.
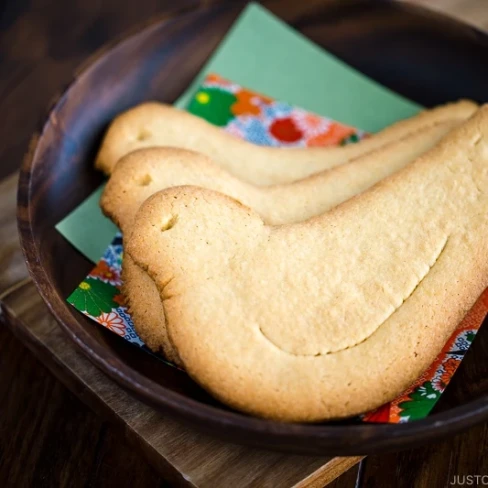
(345,439)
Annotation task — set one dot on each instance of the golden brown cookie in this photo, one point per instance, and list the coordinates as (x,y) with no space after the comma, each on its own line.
(146,310)
(154,124)
(144,172)
(332,316)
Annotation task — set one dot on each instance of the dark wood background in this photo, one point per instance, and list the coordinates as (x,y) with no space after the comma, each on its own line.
(48,438)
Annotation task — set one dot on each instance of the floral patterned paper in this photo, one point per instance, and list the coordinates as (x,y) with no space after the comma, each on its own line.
(262,120)
(265,121)
(99,297)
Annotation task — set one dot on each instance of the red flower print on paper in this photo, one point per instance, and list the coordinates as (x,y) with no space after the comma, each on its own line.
(285,130)
(381,414)
(105,273)
(113,322)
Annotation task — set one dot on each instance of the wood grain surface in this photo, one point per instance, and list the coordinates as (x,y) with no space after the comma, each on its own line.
(183,455)
(47,436)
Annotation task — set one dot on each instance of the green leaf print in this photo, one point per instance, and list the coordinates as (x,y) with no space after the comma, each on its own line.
(421,402)
(470,336)
(94,297)
(213,105)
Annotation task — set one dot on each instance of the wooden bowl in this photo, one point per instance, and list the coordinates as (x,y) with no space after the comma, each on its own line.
(425,56)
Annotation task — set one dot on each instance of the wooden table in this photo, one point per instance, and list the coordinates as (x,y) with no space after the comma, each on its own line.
(48,437)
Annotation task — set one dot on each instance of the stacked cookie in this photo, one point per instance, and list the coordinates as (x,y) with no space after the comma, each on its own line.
(289,282)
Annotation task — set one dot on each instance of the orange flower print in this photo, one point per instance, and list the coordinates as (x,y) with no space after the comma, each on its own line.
(105,273)
(449,366)
(248,103)
(119,299)
(113,322)
(395,411)
(334,134)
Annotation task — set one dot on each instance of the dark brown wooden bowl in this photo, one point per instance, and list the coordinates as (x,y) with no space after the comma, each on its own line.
(425,56)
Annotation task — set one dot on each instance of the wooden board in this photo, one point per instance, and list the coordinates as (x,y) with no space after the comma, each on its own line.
(184,456)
